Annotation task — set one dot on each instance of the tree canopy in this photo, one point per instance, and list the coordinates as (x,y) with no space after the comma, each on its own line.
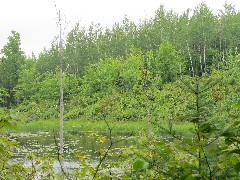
(167,71)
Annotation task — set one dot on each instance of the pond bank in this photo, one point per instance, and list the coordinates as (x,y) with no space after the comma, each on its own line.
(78,127)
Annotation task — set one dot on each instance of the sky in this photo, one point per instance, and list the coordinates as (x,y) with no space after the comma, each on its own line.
(35,20)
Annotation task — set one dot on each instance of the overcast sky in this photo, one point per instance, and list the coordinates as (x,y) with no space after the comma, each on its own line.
(35,20)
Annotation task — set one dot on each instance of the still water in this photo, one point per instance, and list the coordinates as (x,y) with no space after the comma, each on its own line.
(47,143)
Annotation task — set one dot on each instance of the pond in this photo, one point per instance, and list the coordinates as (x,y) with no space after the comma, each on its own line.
(46,143)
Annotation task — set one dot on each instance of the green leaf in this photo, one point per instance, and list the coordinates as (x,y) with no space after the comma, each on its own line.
(236,123)
(5,122)
(194,119)
(159,143)
(206,128)
(236,105)
(138,164)
(181,118)
(228,134)
(228,141)
(237,151)
(237,167)
(172,164)
(233,116)
(1,150)
(234,159)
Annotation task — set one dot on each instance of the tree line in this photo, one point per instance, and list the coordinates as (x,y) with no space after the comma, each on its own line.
(127,56)
(169,71)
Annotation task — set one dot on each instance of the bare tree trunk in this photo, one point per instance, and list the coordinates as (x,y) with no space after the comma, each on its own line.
(191,62)
(220,48)
(61,88)
(200,62)
(204,59)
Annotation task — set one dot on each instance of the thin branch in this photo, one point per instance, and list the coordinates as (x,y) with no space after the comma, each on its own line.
(208,165)
(193,90)
(212,85)
(106,152)
(102,158)
(219,135)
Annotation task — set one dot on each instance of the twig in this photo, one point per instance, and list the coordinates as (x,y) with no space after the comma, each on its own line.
(107,151)
(206,159)
(102,159)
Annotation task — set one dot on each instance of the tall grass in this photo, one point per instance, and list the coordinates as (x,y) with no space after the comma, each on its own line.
(78,126)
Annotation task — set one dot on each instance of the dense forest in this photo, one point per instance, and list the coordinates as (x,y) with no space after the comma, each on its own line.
(166,71)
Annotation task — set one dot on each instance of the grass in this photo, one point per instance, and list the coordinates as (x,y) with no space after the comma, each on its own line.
(79,126)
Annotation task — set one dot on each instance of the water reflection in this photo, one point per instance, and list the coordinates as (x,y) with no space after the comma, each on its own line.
(45,143)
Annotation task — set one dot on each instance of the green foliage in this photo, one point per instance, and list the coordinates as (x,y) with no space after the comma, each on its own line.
(5,122)
(8,171)
(130,73)
(139,165)
(39,93)
(3,95)
(202,153)
(167,62)
(10,65)
(48,60)
(41,168)
(101,76)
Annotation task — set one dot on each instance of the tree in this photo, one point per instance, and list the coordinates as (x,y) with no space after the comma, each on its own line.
(3,95)
(202,32)
(61,106)
(167,62)
(10,63)
(46,61)
(29,82)
(228,31)
(82,48)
